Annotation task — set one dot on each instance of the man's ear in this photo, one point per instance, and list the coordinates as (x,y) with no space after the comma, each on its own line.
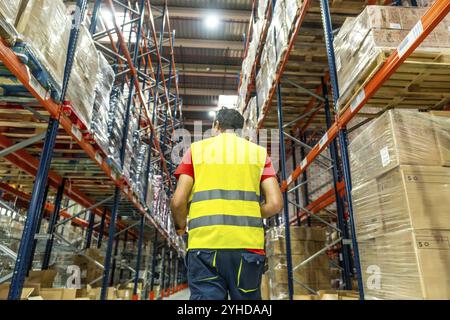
(216,125)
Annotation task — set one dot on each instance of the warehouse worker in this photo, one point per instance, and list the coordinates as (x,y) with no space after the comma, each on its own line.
(219,184)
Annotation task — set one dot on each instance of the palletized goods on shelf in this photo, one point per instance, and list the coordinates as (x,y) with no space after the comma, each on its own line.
(401,180)
(305,241)
(364,43)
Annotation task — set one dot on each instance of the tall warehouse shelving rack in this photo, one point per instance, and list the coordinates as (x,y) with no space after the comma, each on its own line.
(311,92)
(69,165)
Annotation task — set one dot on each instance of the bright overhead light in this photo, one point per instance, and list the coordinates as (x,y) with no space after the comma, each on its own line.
(212,21)
(108,18)
(212,114)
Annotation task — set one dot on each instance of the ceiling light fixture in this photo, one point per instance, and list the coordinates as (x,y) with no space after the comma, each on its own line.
(212,21)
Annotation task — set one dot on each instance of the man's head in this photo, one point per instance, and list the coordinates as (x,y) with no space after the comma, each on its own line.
(228,119)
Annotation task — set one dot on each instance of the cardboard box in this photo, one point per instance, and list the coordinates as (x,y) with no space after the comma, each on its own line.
(4,291)
(406,197)
(319,261)
(398,137)
(441,122)
(305,297)
(265,289)
(125,294)
(407,265)
(95,293)
(58,294)
(44,278)
(306,248)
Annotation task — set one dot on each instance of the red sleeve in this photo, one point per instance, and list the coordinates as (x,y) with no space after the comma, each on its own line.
(186,166)
(268,171)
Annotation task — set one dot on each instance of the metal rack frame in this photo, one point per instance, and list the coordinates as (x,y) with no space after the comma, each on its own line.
(336,131)
(147,88)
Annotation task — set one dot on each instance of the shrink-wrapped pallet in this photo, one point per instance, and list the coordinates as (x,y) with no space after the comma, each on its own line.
(310,277)
(409,264)
(116,116)
(103,87)
(404,198)
(130,151)
(400,203)
(45,27)
(83,80)
(9,10)
(363,43)
(399,137)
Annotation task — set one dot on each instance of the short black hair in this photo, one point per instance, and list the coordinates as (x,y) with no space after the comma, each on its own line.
(230,119)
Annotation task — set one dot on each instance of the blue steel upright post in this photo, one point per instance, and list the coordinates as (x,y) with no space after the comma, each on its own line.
(101,230)
(154,256)
(117,191)
(29,231)
(51,228)
(285,198)
(139,255)
(345,261)
(326,19)
(90,229)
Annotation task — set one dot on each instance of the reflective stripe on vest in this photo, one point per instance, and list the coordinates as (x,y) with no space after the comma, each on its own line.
(225,220)
(225,195)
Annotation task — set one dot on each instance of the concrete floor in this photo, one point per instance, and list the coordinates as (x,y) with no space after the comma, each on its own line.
(181,295)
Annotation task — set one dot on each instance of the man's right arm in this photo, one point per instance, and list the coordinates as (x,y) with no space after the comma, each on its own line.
(274,199)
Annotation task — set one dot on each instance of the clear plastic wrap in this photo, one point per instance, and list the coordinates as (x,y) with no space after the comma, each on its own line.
(262,7)
(400,202)
(8,14)
(399,137)
(410,264)
(363,42)
(250,116)
(81,90)
(103,87)
(9,10)
(305,242)
(45,27)
(116,117)
(139,169)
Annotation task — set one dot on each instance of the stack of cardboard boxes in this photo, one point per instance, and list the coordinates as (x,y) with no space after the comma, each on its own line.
(401,183)
(90,270)
(305,242)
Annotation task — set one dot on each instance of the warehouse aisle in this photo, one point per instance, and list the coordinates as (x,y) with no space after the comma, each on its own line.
(182,295)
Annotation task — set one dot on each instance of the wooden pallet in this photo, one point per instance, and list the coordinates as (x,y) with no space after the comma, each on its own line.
(421,82)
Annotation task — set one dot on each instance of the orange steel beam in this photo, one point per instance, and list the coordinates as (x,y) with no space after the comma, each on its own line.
(419,32)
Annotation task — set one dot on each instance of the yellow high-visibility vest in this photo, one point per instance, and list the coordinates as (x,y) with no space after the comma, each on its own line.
(224,210)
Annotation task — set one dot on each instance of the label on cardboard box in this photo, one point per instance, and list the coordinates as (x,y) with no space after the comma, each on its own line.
(385,159)
(393,25)
(427,242)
